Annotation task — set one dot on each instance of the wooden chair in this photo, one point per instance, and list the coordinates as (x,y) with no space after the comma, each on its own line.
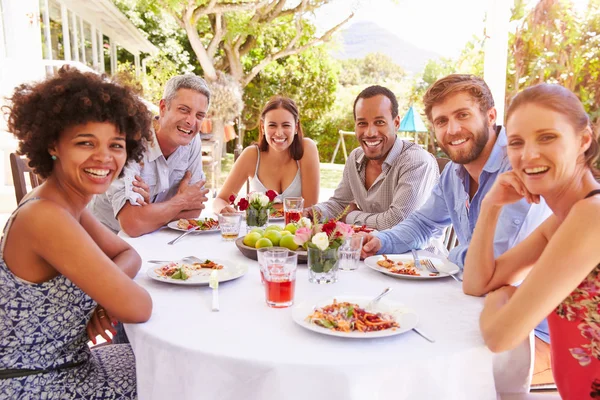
(236,155)
(450,238)
(211,161)
(20,166)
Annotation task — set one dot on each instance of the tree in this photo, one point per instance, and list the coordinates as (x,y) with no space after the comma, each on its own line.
(259,48)
(554,43)
(374,68)
(310,79)
(222,33)
(234,41)
(175,54)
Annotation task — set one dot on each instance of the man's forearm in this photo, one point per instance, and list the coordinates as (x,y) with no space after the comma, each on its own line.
(391,243)
(139,220)
(330,208)
(188,214)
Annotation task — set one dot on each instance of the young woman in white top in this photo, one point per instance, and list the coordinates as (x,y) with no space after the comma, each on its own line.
(283,160)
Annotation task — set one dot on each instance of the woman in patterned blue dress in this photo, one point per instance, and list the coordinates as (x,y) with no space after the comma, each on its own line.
(64,277)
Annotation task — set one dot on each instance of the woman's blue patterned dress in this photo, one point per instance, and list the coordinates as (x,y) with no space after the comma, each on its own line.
(42,332)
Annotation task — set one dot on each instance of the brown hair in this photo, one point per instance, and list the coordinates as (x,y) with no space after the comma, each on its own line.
(40,112)
(455,83)
(561,100)
(296,148)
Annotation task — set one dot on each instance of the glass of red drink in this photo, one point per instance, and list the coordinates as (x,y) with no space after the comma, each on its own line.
(279,275)
(292,209)
(273,251)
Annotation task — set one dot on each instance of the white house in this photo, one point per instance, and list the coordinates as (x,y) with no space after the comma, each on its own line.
(39,36)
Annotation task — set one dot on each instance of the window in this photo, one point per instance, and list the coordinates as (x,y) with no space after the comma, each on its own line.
(52,35)
(74,36)
(87,44)
(106,55)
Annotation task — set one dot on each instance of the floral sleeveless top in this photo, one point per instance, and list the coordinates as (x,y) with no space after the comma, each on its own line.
(575,339)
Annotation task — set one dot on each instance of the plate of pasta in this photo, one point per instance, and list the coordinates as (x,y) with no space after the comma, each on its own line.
(402,266)
(201,225)
(346,316)
(198,273)
(276,215)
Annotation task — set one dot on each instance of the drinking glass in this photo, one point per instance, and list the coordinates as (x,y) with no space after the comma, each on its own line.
(278,251)
(292,209)
(349,253)
(279,274)
(230,223)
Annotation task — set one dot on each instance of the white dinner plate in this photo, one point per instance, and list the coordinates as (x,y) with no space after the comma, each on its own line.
(173,225)
(446,268)
(229,272)
(406,318)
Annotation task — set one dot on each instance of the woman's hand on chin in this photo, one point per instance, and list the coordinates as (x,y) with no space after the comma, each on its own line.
(509,189)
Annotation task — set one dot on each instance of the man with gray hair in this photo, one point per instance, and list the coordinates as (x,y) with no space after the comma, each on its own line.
(168,183)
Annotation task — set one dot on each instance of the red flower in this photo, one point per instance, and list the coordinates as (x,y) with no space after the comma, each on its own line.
(243,204)
(271,194)
(329,227)
(231,199)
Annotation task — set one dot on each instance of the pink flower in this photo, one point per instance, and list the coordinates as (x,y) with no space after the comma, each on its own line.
(302,236)
(344,230)
(271,194)
(243,204)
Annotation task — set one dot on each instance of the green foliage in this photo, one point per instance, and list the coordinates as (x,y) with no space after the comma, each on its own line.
(470,61)
(126,76)
(374,68)
(162,31)
(555,43)
(309,79)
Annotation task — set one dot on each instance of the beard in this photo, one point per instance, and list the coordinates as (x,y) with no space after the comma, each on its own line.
(466,156)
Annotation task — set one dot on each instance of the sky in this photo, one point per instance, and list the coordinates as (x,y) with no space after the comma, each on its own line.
(442,26)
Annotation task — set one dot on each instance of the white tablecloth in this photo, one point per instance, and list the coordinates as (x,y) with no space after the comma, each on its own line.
(250,351)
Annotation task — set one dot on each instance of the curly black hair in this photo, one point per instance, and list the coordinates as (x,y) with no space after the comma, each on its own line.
(40,112)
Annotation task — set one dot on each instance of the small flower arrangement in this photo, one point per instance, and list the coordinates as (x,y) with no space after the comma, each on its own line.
(329,235)
(257,206)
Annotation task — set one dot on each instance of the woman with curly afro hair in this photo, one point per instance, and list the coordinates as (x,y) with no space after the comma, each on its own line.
(65,277)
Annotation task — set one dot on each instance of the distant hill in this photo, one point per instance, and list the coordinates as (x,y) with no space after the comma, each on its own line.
(364,37)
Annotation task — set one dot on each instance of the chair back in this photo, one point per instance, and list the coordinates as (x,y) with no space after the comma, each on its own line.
(442,163)
(20,166)
(236,155)
(450,238)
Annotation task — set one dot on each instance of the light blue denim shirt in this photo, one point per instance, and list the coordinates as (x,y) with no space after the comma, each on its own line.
(449,204)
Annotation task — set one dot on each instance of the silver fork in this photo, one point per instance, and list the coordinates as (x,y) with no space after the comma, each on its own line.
(182,235)
(431,268)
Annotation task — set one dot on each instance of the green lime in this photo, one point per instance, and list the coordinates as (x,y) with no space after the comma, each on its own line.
(259,230)
(274,236)
(285,233)
(263,242)
(291,227)
(287,241)
(251,239)
(274,228)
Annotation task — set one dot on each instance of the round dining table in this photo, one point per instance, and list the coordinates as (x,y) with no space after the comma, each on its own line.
(249,351)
